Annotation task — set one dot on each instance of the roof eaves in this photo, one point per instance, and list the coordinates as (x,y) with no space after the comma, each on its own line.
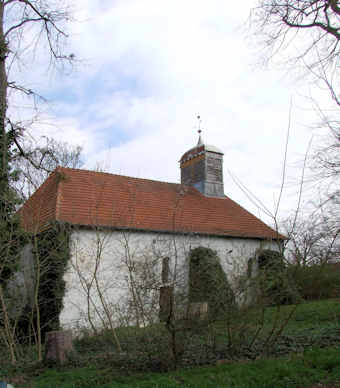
(183,232)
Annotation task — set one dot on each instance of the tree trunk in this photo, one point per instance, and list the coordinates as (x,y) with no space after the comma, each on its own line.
(3,107)
(36,297)
(58,345)
(165,302)
(9,337)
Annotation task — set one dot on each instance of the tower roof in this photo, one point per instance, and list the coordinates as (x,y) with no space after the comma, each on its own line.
(199,149)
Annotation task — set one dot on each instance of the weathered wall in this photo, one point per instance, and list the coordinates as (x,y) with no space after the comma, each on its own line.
(105,266)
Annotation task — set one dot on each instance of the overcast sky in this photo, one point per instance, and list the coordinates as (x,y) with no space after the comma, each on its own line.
(149,67)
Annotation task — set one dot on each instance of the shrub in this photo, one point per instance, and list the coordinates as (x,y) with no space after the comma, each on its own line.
(316,281)
(276,286)
(208,282)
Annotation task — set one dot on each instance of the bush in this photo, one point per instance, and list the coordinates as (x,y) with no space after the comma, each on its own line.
(316,281)
(275,284)
(208,282)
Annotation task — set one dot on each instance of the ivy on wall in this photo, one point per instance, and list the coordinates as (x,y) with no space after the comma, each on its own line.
(208,282)
(51,253)
(12,238)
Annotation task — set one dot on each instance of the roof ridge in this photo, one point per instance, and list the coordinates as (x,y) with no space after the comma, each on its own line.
(112,174)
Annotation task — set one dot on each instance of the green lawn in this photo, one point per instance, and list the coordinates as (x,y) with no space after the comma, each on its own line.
(302,370)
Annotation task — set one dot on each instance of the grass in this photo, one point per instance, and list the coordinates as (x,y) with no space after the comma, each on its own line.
(307,352)
(302,370)
(316,314)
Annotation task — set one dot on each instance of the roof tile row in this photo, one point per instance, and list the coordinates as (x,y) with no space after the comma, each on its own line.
(90,198)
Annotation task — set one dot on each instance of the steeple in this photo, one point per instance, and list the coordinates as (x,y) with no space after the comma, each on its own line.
(202,168)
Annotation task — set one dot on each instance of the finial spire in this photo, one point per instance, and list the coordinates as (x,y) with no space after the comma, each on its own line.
(200,142)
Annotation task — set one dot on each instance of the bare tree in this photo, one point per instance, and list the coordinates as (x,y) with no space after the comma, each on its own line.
(315,238)
(306,32)
(325,161)
(35,163)
(26,27)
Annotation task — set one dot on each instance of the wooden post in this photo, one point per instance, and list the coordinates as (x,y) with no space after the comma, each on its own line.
(198,310)
(165,302)
(165,293)
(58,345)
(165,270)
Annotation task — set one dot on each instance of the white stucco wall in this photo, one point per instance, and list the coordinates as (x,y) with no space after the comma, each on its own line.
(98,283)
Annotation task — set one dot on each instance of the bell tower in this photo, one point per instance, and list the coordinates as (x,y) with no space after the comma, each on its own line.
(202,168)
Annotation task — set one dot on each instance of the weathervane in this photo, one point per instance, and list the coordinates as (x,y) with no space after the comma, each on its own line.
(199,124)
(199,131)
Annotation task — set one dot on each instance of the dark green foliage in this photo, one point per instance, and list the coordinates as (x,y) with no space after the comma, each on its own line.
(270,260)
(8,175)
(51,256)
(12,237)
(23,330)
(208,282)
(316,281)
(11,234)
(53,252)
(276,286)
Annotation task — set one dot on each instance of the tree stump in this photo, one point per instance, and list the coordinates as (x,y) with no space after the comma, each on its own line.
(58,345)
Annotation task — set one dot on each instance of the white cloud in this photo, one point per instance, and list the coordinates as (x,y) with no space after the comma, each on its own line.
(151,66)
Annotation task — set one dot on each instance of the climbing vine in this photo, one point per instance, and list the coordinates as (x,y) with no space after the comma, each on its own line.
(208,282)
(51,253)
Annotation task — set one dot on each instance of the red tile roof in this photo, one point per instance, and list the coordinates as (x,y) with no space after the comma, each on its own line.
(90,198)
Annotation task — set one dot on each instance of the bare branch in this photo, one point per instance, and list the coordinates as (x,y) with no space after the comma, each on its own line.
(22,89)
(16,26)
(46,17)
(313,25)
(283,179)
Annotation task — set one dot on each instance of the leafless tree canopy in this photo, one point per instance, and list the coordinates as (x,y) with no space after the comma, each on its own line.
(317,19)
(314,239)
(328,156)
(30,30)
(29,24)
(306,31)
(305,34)
(35,163)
